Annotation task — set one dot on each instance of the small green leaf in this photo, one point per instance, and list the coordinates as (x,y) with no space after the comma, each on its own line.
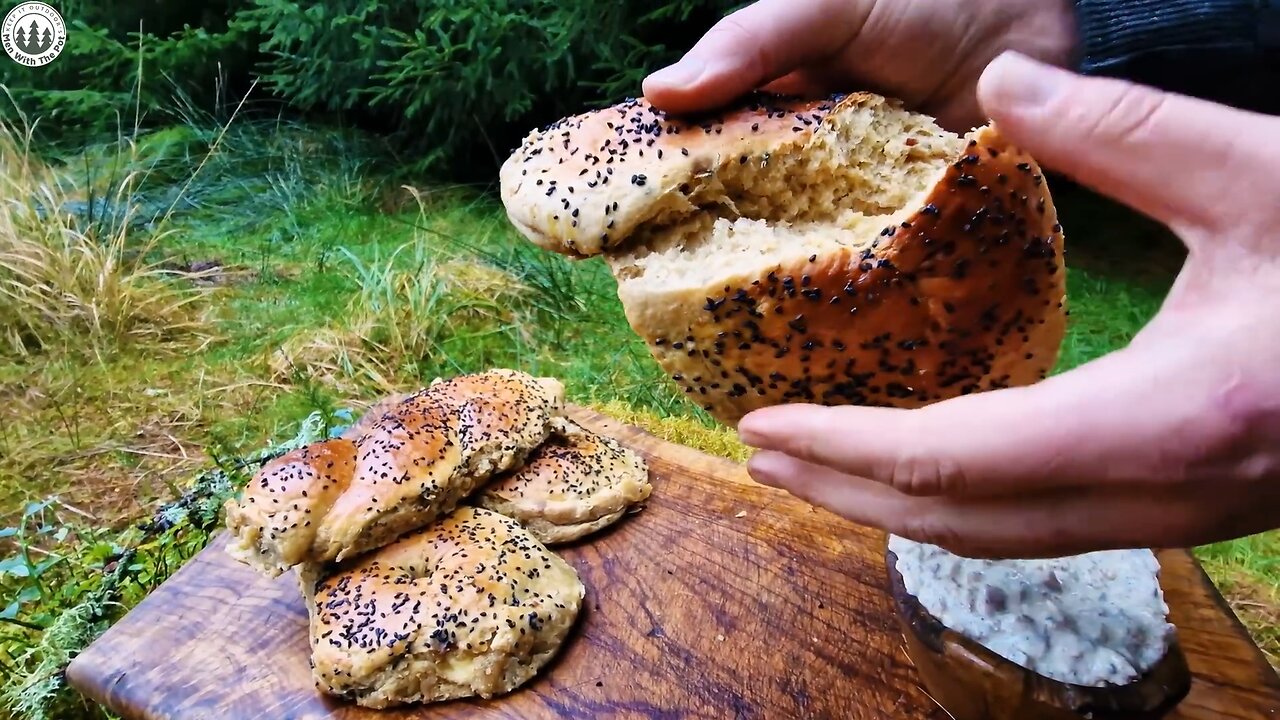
(28,594)
(44,566)
(14,566)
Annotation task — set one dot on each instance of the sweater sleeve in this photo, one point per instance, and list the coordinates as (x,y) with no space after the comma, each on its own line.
(1221,50)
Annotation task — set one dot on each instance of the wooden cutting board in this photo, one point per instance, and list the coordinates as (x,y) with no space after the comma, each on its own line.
(722,599)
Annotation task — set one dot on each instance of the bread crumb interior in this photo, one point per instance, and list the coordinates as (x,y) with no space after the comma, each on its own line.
(862,167)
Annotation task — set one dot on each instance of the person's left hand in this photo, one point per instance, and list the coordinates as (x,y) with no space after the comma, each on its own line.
(1171,442)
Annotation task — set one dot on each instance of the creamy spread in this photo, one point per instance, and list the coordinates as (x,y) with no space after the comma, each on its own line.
(1095,619)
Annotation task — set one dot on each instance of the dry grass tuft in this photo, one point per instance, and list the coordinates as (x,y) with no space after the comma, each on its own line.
(71,284)
(410,313)
(112,438)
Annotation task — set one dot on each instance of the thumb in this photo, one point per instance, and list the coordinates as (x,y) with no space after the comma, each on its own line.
(752,47)
(1179,160)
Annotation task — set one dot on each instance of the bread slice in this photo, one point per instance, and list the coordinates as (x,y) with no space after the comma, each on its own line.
(837,251)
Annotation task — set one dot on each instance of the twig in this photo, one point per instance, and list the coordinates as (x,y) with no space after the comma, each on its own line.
(135,451)
(182,449)
(78,511)
(23,624)
(248,383)
(100,450)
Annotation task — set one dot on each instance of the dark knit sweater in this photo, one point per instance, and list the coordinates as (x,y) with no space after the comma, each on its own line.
(1227,51)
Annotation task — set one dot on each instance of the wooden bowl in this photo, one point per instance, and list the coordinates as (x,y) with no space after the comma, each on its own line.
(972,682)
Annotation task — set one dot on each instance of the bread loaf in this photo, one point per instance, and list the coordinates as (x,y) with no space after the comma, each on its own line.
(576,483)
(836,251)
(415,463)
(373,414)
(470,605)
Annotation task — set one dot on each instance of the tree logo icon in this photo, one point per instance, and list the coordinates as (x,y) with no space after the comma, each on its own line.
(33,34)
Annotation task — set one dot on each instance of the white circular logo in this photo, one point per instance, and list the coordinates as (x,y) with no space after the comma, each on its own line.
(33,34)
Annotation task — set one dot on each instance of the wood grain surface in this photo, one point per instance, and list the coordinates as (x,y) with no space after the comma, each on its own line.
(721,599)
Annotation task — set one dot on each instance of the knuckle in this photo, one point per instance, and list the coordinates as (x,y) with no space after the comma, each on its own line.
(801,445)
(1259,466)
(914,474)
(933,528)
(1130,115)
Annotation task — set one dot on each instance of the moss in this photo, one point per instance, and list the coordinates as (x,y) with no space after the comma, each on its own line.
(682,430)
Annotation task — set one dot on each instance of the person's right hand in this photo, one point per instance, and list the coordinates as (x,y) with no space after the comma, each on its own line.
(927,53)
(1171,441)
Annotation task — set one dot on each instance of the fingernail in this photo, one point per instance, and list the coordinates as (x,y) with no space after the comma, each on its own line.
(682,74)
(1015,81)
(769,426)
(753,429)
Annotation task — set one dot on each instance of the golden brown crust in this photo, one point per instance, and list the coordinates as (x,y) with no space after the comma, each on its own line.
(471,605)
(373,415)
(582,184)
(574,484)
(438,446)
(273,523)
(964,295)
(416,462)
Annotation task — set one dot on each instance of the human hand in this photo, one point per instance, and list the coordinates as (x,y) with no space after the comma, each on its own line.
(1171,442)
(928,53)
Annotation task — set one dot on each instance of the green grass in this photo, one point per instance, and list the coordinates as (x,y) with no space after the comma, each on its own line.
(333,284)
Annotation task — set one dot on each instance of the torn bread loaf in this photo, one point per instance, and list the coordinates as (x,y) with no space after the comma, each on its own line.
(416,462)
(470,605)
(574,484)
(843,251)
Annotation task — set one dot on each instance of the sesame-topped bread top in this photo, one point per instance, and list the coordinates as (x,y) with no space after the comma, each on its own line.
(581,185)
(574,484)
(470,605)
